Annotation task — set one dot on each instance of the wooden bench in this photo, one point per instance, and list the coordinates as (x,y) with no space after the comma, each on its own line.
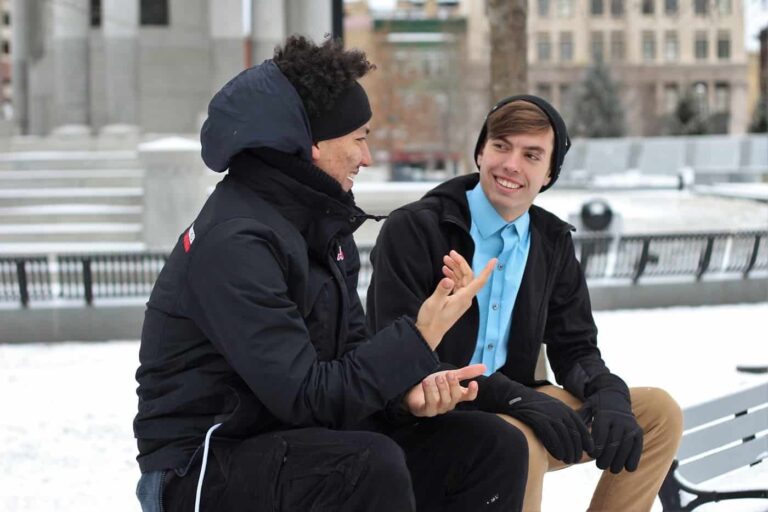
(719,436)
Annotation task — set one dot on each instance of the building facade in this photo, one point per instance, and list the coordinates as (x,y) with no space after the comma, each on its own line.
(656,51)
(86,66)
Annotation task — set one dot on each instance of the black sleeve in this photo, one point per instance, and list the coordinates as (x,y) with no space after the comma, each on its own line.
(240,298)
(402,271)
(356,328)
(571,333)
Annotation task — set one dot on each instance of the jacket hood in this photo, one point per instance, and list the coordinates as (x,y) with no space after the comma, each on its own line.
(259,108)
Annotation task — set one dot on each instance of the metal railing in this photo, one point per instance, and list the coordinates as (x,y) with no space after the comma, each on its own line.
(628,258)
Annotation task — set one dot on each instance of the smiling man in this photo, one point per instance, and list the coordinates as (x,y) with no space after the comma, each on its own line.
(259,388)
(536,294)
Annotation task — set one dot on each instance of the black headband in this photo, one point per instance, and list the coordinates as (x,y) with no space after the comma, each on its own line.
(349,112)
(562,142)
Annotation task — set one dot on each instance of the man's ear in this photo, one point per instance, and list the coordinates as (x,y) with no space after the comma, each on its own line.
(548,178)
(479,158)
(315,152)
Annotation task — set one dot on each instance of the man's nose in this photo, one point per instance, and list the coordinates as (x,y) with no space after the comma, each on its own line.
(367,159)
(512,161)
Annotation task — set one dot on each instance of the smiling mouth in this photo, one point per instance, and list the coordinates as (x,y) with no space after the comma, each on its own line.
(509,185)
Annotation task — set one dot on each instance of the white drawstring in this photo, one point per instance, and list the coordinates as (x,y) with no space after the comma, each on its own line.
(202,467)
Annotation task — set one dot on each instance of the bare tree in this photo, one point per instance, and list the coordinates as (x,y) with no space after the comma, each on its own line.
(509,65)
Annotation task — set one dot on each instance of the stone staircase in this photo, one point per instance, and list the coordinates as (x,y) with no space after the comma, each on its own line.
(60,201)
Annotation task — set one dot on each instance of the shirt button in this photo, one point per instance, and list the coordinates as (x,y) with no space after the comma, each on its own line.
(501,266)
(490,346)
(494,307)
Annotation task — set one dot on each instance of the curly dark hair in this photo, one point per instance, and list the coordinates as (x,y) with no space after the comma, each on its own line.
(320,73)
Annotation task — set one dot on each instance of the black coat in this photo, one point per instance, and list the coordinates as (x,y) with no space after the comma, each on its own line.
(552,305)
(255,319)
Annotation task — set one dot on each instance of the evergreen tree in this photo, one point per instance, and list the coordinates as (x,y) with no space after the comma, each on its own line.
(598,111)
(688,117)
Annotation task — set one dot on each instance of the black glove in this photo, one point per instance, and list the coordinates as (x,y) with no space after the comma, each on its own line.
(557,426)
(617,435)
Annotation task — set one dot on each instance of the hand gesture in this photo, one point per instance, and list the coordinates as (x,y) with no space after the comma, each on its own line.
(440,392)
(446,305)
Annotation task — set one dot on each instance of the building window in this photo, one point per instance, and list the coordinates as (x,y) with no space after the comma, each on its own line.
(6,47)
(671,97)
(566,46)
(648,6)
(6,18)
(700,45)
(723,46)
(543,6)
(617,8)
(670,7)
(700,97)
(95,13)
(154,12)
(544,47)
(617,46)
(701,7)
(544,90)
(598,47)
(596,7)
(649,46)
(722,97)
(565,8)
(671,46)
(723,7)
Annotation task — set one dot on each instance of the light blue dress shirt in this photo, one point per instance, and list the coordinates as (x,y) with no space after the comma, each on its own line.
(510,243)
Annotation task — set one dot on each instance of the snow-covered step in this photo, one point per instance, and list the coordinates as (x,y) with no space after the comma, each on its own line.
(122,159)
(75,232)
(72,178)
(69,195)
(69,213)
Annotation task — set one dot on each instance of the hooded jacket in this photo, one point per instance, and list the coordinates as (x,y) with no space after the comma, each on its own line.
(254,320)
(552,305)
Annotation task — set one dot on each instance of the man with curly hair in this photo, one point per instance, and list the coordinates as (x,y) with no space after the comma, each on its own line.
(259,388)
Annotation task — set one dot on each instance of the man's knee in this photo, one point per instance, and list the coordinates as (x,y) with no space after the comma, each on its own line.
(503,443)
(656,409)
(385,464)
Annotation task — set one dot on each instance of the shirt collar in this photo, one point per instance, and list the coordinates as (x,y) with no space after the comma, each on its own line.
(488,220)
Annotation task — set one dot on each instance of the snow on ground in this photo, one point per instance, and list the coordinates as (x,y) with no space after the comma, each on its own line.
(65,429)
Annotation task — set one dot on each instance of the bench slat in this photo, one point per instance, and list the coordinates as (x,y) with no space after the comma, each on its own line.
(725,406)
(721,434)
(724,461)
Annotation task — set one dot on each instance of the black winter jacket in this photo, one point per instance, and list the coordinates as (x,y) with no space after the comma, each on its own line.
(552,305)
(255,319)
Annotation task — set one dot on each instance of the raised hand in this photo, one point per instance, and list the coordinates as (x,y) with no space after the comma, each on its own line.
(440,392)
(446,305)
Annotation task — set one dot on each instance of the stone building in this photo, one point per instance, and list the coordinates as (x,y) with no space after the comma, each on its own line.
(90,66)
(656,50)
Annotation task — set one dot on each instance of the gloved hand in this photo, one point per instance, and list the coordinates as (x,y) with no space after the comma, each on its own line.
(617,436)
(557,426)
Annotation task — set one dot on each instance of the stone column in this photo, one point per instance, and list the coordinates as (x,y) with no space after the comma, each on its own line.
(70,29)
(227,41)
(176,184)
(268,27)
(312,18)
(120,20)
(22,26)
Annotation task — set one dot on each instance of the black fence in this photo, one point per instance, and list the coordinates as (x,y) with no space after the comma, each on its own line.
(630,258)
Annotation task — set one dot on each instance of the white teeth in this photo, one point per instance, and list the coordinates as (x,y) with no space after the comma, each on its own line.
(351,177)
(507,184)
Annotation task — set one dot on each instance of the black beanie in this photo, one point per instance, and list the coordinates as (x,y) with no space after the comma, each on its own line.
(562,142)
(349,112)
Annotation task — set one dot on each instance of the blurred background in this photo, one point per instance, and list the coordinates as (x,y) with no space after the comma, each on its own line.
(101,102)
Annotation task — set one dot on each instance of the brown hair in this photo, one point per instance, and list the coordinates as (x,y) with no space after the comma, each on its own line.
(515,118)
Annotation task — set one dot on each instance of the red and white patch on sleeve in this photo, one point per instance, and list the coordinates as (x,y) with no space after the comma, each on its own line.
(340,255)
(189,237)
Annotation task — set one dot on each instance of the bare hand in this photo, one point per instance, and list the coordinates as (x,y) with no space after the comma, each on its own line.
(442,309)
(440,392)
(457,270)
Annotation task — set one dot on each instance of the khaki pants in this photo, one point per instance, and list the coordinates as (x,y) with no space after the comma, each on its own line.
(662,422)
